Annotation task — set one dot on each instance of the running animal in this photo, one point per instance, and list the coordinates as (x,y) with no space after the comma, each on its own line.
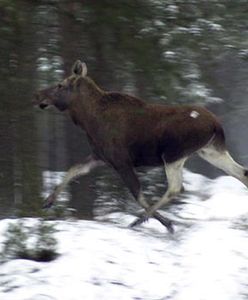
(125,132)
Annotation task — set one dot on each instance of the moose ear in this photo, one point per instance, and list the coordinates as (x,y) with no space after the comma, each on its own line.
(79,68)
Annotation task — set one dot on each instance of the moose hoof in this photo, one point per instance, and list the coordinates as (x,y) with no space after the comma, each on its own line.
(165,221)
(49,201)
(169,226)
(139,221)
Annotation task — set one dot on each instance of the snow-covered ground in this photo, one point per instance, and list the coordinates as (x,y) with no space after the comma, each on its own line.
(206,258)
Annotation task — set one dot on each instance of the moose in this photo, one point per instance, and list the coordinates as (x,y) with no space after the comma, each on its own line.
(125,132)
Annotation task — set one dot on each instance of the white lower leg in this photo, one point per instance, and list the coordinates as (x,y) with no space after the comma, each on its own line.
(224,161)
(142,201)
(74,172)
(174,179)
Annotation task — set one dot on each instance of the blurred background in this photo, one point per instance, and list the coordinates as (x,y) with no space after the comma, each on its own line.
(164,51)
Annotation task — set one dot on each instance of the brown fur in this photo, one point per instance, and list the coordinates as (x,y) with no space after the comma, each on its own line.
(126,132)
(125,129)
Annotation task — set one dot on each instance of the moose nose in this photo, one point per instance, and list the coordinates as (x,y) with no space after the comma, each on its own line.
(43,105)
(35,99)
(38,100)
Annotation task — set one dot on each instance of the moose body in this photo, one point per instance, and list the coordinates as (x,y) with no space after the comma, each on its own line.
(125,132)
(123,129)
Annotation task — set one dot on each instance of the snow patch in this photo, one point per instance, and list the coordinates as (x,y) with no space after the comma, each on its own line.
(103,259)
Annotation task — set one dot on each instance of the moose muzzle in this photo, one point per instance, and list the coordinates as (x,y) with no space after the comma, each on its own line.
(40,101)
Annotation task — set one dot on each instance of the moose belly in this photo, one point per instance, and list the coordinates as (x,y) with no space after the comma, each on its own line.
(169,149)
(145,154)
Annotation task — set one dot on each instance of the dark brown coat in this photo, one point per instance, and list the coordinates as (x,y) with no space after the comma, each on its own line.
(126,132)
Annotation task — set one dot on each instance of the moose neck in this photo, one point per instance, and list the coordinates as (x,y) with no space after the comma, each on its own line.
(85,105)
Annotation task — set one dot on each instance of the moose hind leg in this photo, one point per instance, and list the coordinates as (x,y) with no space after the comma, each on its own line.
(174,179)
(223,160)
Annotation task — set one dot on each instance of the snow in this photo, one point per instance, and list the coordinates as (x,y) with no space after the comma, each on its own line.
(206,258)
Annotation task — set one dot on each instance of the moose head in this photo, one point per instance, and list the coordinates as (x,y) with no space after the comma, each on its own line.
(61,94)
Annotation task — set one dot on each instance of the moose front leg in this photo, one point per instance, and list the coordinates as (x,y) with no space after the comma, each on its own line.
(132,182)
(86,167)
